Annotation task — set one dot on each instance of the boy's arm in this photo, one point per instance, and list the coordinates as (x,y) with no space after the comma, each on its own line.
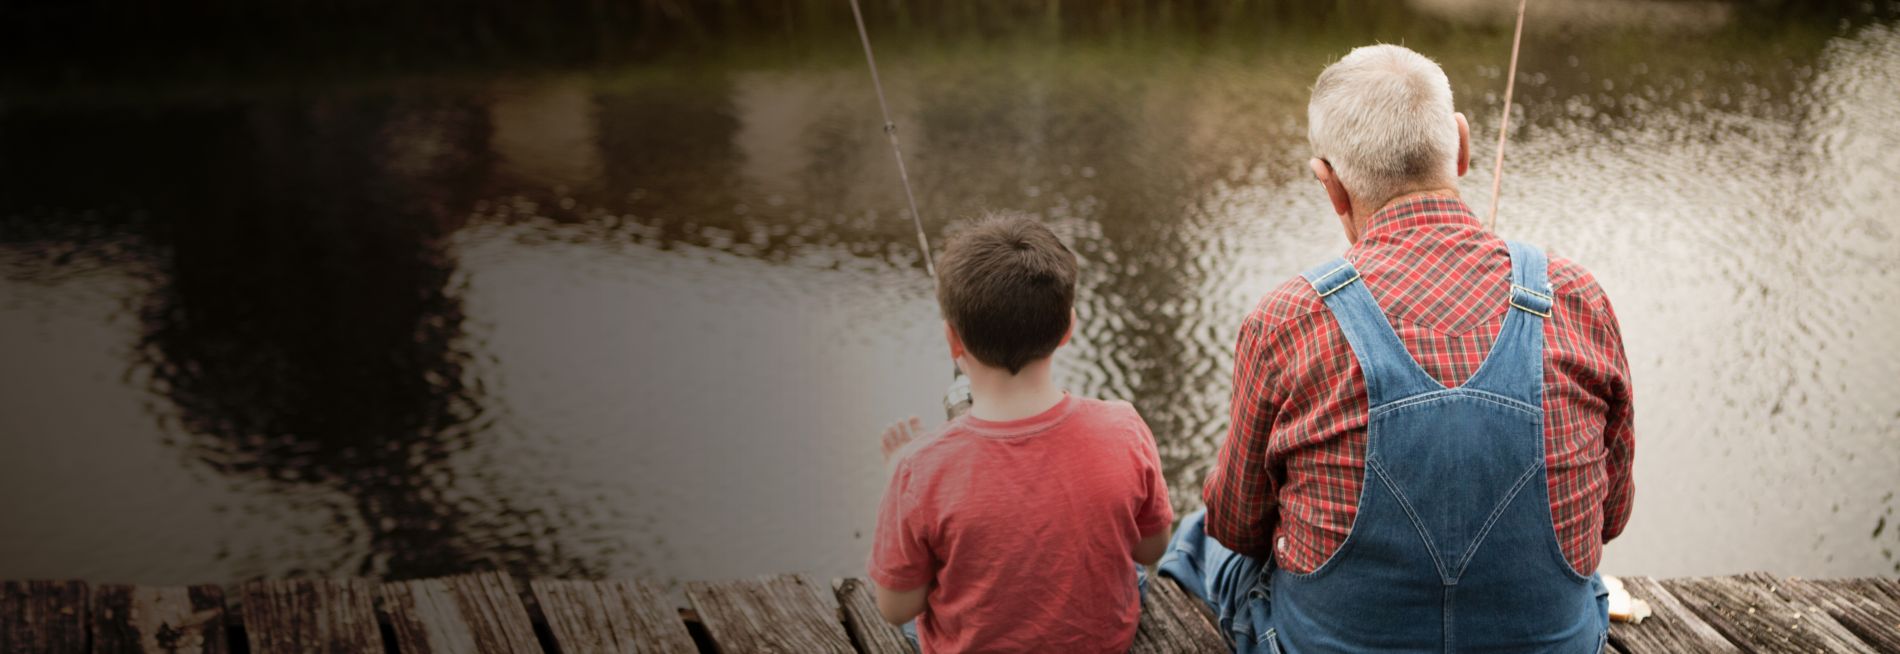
(1156,520)
(901,558)
(900,606)
(1150,549)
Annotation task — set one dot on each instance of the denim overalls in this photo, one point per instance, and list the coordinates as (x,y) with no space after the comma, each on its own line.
(1452,548)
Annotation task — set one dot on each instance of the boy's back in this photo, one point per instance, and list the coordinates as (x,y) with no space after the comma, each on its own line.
(1025,530)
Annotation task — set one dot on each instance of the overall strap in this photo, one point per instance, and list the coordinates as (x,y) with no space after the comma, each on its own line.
(1391,373)
(1515,366)
(1530,279)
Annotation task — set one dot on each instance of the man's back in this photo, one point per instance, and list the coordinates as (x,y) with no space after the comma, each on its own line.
(1025,529)
(1289,479)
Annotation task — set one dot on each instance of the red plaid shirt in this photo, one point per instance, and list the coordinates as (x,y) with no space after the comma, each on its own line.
(1288,479)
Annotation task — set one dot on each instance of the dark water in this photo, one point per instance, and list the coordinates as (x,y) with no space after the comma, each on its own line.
(645,318)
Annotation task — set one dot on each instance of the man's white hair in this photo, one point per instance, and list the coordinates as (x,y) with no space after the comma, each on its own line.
(1382,117)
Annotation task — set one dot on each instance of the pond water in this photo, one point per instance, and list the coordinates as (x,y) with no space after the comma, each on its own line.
(645,319)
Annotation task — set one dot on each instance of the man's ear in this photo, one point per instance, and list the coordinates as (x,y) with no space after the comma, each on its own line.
(1464,143)
(1322,171)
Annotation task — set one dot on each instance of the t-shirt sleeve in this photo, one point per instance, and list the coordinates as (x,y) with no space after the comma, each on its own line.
(901,556)
(1157,513)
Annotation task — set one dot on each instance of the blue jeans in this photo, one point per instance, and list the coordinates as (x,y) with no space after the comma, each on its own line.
(1234,586)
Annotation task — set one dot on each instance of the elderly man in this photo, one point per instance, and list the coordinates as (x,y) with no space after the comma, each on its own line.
(1431,436)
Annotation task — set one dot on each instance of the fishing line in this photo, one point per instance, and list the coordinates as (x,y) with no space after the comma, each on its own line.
(1504,123)
(890,129)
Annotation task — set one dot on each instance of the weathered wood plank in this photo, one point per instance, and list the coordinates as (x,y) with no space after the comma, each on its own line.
(300,616)
(1858,606)
(867,627)
(42,616)
(619,616)
(168,619)
(1671,627)
(1172,620)
(1891,586)
(781,613)
(1886,591)
(478,613)
(1751,616)
(1821,619)
(1881,591)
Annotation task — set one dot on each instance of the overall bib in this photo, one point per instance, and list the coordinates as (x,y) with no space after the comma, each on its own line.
(1452,548)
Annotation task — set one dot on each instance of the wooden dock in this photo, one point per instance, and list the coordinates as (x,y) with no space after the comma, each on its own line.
(490,612)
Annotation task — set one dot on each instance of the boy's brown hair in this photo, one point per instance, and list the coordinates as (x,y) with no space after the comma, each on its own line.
(1007,285)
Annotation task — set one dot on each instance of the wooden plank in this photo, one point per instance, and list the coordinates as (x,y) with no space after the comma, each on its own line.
(1858,606)
(169,619)
(1671,627)
(1882,591)
(1751,616)
(780,613)
(619,616)
(1891,586)
(867,627)
(1172,620)
(478,613)
(1821,619)
(299,616)
(1876,588)
(42,616)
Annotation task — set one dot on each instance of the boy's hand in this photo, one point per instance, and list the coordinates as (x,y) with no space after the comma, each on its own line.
(899,434)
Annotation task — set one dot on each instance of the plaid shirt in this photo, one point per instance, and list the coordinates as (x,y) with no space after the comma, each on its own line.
(1288,478)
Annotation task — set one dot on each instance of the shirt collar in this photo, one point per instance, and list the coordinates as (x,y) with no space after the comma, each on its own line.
(1420,212)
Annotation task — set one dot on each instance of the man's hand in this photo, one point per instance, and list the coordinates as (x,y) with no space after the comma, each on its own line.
(899,434)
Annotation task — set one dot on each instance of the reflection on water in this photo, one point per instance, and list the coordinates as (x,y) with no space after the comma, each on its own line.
(643,320)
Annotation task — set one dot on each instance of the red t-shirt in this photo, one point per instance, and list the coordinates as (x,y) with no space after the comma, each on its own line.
(1025,530)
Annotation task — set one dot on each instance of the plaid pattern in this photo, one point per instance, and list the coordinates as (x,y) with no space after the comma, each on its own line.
(1289,474)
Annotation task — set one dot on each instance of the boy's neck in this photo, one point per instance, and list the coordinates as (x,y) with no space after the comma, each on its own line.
(997,396)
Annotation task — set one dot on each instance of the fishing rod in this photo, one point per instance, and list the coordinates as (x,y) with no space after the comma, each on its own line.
(890,129)
(1504,122)
(956,398)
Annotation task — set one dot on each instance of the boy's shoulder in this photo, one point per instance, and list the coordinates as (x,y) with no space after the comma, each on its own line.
(1118,413)
(1109,419)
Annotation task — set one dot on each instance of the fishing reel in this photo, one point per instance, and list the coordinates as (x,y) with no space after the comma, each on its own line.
(956,397)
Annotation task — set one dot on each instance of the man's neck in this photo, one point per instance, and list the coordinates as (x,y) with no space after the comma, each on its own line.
(1364,221)
(998,396)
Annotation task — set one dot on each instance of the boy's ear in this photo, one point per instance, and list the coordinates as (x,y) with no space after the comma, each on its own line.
(1066,333)
(956,342)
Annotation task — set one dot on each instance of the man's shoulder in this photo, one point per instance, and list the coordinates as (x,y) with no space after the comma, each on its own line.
(1575,285)
(1294,300)
(1289,302)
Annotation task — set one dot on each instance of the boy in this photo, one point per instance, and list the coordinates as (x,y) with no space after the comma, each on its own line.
(1017,526)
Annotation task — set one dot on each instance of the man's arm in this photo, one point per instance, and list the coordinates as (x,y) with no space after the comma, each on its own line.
(900,606)
(1619,434)
(1240,496)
